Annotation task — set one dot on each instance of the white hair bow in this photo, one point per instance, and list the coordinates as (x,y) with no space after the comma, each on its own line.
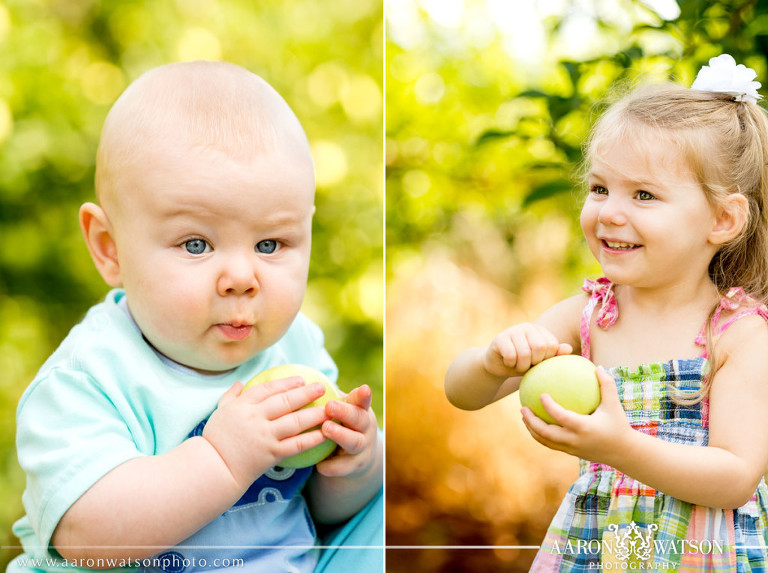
(724,76)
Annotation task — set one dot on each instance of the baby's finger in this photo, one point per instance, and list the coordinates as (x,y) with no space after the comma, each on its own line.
(301,420)
(334,466)
(300,443)
(231,394)
(291,400)
(260,392)
(349,440)
(362,396)
(349,415)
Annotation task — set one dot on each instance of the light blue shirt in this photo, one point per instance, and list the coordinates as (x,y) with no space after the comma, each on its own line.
(106,396)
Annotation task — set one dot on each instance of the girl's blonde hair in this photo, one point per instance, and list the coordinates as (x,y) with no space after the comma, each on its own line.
(725,144)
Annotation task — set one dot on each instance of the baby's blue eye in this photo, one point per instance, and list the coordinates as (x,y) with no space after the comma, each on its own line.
(196,246)
(267,246)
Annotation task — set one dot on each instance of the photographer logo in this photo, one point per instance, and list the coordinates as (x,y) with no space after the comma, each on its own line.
(632,547)
(632,543)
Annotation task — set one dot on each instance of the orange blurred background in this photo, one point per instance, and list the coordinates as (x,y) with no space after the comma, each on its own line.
(457,478)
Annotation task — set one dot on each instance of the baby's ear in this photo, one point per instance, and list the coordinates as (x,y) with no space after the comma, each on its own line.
(97,232)
(730,217)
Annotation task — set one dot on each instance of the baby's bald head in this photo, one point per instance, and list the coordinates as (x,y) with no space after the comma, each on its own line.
(191,106)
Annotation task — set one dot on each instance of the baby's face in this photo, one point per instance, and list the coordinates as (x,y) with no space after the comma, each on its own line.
(214,253)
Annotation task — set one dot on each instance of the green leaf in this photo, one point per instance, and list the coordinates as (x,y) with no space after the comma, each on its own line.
(547,190)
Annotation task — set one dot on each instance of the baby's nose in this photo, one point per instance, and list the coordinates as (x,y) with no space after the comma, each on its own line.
(238,277)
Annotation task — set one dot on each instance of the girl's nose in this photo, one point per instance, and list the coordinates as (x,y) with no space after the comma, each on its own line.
(238,277)
(612,212)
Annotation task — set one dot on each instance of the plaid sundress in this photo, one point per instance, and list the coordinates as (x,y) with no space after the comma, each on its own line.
(609,521)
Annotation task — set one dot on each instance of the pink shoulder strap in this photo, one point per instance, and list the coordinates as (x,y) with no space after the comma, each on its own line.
(602,297)
(736,299)
(600,292)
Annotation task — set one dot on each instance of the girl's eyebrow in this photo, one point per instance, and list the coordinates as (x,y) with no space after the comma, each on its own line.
(638,183)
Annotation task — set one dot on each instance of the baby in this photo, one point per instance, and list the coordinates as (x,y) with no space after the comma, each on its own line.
(135,435)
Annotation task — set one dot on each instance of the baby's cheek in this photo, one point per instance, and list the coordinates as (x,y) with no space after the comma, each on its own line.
(173,317)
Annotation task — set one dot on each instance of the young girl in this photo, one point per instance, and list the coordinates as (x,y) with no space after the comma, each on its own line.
(676,216)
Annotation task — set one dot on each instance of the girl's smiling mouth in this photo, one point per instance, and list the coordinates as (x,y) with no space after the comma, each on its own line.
(618,246)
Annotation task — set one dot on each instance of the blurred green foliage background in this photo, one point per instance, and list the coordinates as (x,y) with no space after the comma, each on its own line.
(487,105)
(63,64)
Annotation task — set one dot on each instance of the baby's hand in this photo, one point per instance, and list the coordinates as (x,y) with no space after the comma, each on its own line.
(253,430)
(597,437)
(353,427)
(519,347)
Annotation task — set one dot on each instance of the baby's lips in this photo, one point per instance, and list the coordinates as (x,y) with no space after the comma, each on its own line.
(235,331)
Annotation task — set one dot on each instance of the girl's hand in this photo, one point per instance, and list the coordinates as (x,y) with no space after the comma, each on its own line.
(597,437)
(353,427)
(254,430)
(519,347)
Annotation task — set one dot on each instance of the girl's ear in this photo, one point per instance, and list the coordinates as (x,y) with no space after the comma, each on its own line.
(730,217)
(97,231)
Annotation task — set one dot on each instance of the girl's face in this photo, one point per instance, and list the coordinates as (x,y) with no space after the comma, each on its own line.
(646,218)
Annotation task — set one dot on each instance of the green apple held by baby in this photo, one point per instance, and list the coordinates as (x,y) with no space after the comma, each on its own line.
(313,455)
(571,380)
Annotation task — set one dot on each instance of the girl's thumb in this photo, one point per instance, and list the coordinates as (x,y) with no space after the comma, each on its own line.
(607,385)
